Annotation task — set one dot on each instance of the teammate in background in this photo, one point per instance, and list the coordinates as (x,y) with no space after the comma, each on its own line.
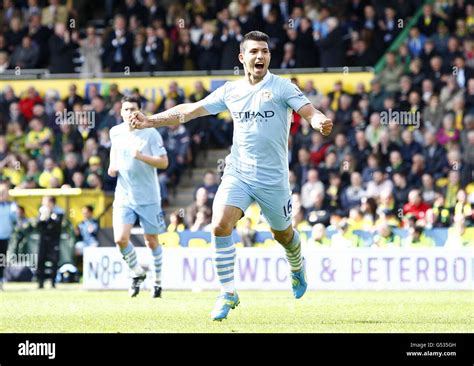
(7,224)
(134,157)
(257,167)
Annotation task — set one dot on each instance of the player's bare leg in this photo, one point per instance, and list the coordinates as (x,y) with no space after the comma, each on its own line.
(290,240)
(151,241)
(122,239)
(224,218)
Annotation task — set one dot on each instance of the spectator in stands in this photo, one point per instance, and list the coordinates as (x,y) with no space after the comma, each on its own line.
(114,96)
(353,194)
(95,166)
(463,73)
(27,103)
(433,113)
(38,135)
(4,62)
(209,48)
(86,231)
(416,41)
(62,48)
(25,56)
(91,51)
(390,75)
(94,181)
(14,34)
(463,207)
(54,13)
(400,190)
(318,236)
(39,35)
(318,148)
(333,192)
(428,22)
(396,164)
(50,172)
(174,95)
(32,174)
(434,154)
(99,112)
(417,238)
(72,98)
(374,130)
(415,205)
(378,184)
(247,233)
(328,167)
(312,186)
(152,52)
(344,238)
(469,96)
(118,47)
(428,192)
(16,139)
(210,184)
(201,203)
(331,46)
(230,40)
(450,190)
(78,180)
(177,223)
(185,53)
(289,56)
(459,235)
(437,72)
(360,148)
(447,135)
(319,212)
(409,146)
(386,238)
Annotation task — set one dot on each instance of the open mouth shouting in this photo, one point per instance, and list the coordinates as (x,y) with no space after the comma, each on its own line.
(259,65)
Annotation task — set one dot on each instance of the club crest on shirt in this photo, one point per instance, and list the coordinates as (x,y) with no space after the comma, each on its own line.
(266,95)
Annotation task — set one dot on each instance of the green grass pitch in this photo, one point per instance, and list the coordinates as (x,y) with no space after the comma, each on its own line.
(71,309)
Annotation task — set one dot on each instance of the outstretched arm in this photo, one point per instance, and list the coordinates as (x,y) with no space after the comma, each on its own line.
(316,118)
(179,114)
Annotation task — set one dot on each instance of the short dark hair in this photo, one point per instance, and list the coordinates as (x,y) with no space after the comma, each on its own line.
(89,208)
(253,36)
(132,99)
(51,199)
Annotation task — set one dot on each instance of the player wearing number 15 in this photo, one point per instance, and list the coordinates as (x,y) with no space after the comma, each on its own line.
(134,157)
(257,167)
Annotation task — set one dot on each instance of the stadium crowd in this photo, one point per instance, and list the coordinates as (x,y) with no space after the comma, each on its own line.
(151,35)
(401,153)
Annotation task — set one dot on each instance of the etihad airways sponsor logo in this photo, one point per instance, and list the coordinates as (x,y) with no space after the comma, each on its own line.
(251,116)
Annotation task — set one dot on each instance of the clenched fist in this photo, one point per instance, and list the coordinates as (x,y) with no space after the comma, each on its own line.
(139,121)
(326,127)
(322,124)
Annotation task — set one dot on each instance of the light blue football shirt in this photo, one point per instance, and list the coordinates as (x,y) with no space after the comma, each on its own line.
(7,219)
(137,182)
(262,118)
